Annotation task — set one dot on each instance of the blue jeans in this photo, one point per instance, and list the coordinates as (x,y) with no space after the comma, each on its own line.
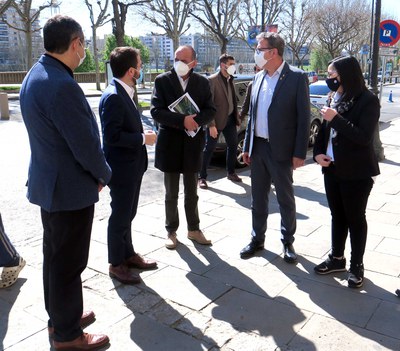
(8,254)
(230,134)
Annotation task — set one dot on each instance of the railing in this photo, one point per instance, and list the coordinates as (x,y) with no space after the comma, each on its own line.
(18,76)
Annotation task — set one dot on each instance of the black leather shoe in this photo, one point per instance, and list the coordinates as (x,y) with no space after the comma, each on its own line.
(289,255)
(251,249)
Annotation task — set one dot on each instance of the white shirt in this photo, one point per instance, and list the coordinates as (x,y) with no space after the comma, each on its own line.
(333,133)
(183,82)
(267,89)
(130,91)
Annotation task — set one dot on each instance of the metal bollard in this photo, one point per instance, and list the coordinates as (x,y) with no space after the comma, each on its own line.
(4,110)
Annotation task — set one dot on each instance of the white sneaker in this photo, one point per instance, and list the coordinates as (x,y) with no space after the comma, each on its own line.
(198,237)
(171,241)
(10,274)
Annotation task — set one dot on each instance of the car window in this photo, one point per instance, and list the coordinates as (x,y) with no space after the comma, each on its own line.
(319,89)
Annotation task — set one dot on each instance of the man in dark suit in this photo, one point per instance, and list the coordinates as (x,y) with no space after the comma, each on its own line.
(176,151)
(124,145)
(276,140)
(225,120)
(66,173)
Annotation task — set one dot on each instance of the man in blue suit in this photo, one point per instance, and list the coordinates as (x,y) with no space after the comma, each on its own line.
(66,173)
(276,140)
(124,145)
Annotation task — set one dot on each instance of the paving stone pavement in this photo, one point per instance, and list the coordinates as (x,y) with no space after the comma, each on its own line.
(207,298)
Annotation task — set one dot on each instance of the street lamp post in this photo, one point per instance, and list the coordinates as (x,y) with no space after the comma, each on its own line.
(379,152)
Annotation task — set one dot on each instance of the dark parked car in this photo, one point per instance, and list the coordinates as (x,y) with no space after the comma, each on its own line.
(241,83)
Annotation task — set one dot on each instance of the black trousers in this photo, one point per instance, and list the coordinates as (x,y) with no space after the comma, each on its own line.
(171,183)
(347,200)
(124,203)
(66,240)
(231,138)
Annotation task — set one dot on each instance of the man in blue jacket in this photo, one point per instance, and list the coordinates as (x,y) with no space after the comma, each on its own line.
(66,173)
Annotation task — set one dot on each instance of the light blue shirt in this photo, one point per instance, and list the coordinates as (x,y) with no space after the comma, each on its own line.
(266,92)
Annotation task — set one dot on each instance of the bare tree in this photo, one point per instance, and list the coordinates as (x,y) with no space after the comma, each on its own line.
(219,18)
(251,14)
(4,5)
(120,10)
(29,18)
(99,22)
(170,15)
(297,28)
(339,23)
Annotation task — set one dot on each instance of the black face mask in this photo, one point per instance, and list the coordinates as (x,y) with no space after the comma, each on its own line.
(332,83)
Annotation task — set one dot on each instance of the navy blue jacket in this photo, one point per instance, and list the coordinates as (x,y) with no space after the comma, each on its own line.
(67,162)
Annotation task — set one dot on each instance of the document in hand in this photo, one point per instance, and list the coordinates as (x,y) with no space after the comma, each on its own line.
(186,105)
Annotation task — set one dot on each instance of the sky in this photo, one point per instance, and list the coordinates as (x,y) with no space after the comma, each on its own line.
(136,27)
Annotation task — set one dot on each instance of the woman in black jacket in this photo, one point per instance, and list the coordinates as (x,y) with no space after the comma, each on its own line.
(344,149)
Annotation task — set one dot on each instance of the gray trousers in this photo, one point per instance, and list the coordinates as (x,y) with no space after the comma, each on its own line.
(7,250)
(264,170)
(171,183)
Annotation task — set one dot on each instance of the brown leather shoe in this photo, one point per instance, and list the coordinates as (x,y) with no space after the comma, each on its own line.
(234,178)
(88,317)
(123,274)
(84,342)
(202,183)
(198,237)
(137,261)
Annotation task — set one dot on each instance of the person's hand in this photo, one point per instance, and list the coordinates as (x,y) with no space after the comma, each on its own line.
(100,187)
(246,158)
(213,132)
(297,162)
(189,123)
(328,113)
(323,160)
(150,137)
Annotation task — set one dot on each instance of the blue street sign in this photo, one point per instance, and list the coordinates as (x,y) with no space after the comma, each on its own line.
(389,33)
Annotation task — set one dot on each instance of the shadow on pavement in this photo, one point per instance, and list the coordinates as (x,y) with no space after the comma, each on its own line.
(246,306)
(8,297)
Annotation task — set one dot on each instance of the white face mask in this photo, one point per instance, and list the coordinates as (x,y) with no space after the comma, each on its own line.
(259,59)
(81,59)
(181,68)
(231,70)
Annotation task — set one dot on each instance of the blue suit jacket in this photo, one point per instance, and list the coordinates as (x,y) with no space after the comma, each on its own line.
(122,135)
(288,115)
(67,162)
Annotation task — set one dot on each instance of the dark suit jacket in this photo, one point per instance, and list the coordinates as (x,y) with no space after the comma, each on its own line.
(67,162)
(220,97)
(177,152)
(122,135)
(288,115)
(353,146)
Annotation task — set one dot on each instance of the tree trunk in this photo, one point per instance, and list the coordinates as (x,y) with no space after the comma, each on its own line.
(28,39)
(175,42)
(96,57)
(118,28)
(224,44)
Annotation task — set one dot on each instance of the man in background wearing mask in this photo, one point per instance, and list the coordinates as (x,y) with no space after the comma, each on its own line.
(176,151)
(124,145)
(66,173)
(226,119)
(276,140)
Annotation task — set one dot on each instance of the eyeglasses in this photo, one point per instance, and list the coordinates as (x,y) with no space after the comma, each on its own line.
(259,50)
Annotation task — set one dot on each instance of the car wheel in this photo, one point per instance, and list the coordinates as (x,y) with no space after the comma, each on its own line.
(239,153)
(314,129)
